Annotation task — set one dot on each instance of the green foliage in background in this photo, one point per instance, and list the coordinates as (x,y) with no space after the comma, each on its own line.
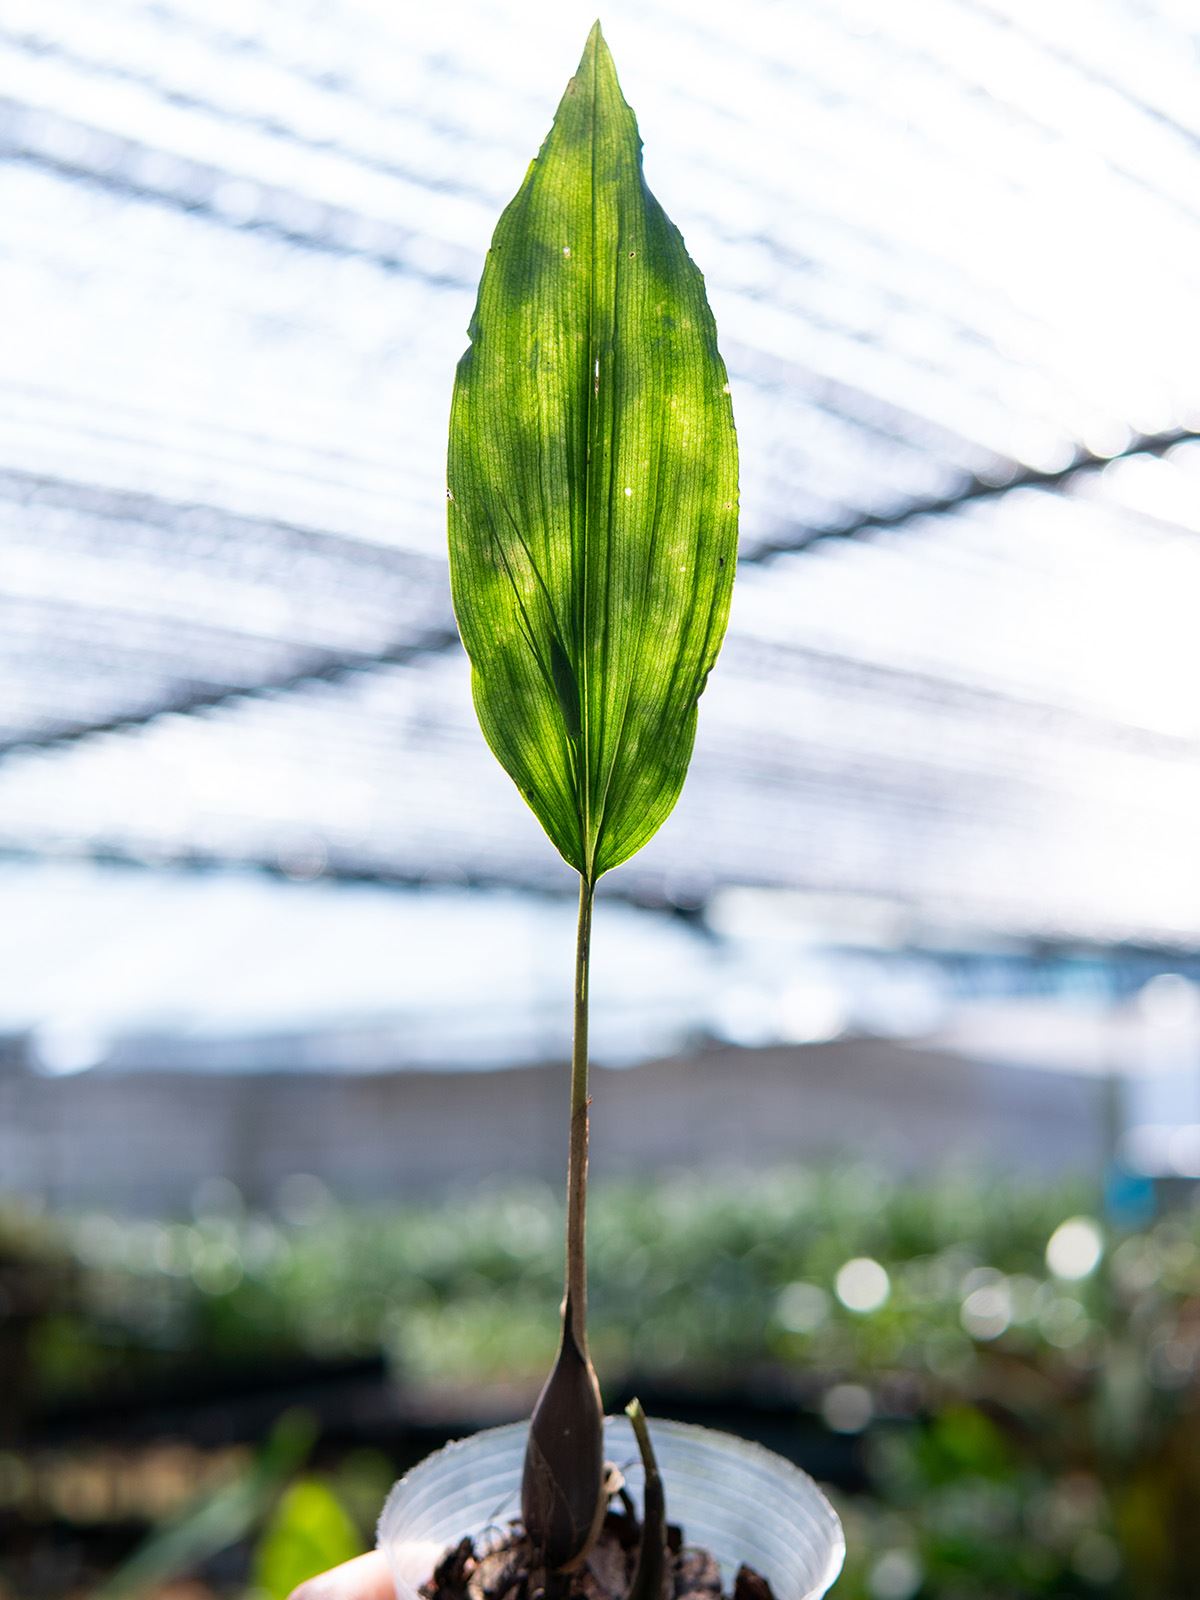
(217,1520)
(456,1292)
(593,486)
(1023,1434)
(308,1532)
(690,1262)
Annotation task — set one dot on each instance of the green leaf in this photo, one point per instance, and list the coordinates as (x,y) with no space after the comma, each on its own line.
(309,1533)
(593,486)
(217,1519)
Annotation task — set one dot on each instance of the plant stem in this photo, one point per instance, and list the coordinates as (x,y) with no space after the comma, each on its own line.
(562,1482)
(647,1581)
(577,1159)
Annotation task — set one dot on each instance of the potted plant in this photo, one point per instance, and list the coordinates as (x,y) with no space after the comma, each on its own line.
(593,537)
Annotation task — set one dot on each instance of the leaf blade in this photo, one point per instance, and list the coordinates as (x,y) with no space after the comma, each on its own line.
(593,486)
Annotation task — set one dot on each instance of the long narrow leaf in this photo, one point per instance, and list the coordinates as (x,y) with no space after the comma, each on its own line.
(215,1520)
(593,486)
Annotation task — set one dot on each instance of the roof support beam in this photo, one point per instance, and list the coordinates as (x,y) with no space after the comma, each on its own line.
(329,666)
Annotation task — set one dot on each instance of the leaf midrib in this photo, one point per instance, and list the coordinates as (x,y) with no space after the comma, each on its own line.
(587,844)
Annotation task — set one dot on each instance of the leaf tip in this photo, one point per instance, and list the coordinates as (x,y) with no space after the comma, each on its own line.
(596,49)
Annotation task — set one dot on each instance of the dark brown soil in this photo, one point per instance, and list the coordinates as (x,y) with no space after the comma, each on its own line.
(503,1568)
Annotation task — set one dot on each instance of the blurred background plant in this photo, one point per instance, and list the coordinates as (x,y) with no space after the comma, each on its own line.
(1000,1387)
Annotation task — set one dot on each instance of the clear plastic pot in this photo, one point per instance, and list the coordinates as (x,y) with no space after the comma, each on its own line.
(737,1500)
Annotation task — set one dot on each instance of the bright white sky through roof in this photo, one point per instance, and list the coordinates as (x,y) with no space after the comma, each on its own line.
(950,245)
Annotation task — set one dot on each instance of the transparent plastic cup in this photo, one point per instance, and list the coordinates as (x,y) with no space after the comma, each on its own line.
(737,1500)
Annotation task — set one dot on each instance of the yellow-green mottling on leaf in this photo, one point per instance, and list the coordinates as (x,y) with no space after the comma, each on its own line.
(593,486)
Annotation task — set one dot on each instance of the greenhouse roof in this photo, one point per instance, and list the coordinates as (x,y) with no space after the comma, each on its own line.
(953,249)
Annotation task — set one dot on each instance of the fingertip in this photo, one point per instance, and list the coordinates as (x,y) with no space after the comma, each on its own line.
(365,1578)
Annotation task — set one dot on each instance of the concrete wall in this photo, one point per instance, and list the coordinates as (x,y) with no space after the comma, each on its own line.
(142,1141)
